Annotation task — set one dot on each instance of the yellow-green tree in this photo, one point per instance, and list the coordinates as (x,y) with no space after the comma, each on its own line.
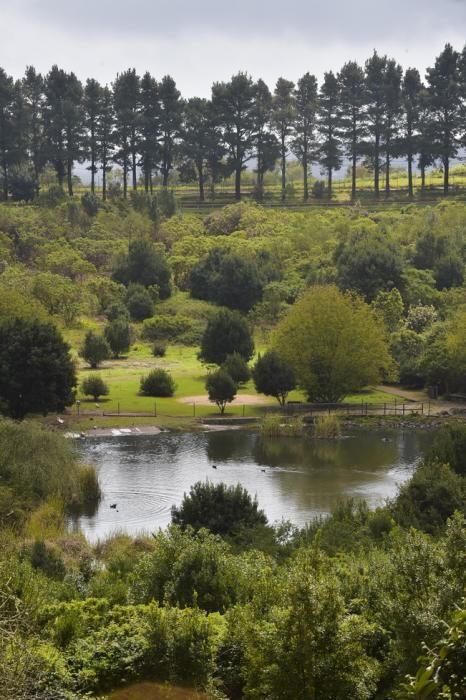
(334,343)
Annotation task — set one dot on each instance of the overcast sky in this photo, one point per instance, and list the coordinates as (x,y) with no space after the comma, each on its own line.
(200,41)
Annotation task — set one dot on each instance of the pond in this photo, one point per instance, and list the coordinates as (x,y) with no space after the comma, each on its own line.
(294,478)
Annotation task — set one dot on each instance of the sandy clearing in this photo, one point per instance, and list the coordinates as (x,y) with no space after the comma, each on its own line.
(240,400)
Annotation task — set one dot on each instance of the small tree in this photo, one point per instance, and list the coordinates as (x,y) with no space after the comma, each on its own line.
(273,376)
(237,368)
(93,385)
(37,373)
(159,382)
(118,336)
(221,388)
(223,509)
(95,349)
(227,332)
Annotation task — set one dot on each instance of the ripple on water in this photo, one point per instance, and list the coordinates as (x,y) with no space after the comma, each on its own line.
(146,475)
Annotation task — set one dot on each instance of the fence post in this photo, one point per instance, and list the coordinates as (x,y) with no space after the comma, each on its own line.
(385,409)
(403,410)
(422,408)
(194,409)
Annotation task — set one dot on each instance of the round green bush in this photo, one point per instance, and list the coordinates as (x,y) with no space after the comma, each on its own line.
(158,383)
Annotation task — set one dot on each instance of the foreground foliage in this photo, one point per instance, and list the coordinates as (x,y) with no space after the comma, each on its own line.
(342,609)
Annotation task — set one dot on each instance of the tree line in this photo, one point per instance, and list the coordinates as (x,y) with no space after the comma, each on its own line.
(369,114)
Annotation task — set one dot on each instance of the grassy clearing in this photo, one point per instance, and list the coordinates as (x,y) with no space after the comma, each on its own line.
(123,379)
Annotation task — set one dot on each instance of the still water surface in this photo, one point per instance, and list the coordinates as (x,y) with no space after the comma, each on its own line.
(294,478)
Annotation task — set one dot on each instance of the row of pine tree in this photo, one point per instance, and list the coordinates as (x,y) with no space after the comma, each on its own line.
(371,113)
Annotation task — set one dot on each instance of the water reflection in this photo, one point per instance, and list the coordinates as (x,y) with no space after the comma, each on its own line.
(294,478)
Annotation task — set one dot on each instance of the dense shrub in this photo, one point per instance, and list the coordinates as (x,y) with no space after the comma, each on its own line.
(430,497)
(227,279)
(159,349)
(144,264)
(227,332)
(117,311)
(158,382)
(176,328)
(449,447)
(139,302)
(237,368)
(222,509)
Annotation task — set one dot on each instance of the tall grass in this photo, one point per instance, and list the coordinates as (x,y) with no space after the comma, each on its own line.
(89,493)
(274,425)
(327,426)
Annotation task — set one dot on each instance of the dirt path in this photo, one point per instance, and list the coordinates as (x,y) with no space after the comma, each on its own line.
(240,400)
(437,406)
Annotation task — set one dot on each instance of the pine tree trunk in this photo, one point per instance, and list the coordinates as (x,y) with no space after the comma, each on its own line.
(133,168)
(238,183)
(387,172)
(376,166)
(423,178)
(446,175)
(353,175)
(104,179)
(329,183)
(410,175)
(283,169)
(92,173)
(305,184)
(5,179)
(69,176)
(200,171)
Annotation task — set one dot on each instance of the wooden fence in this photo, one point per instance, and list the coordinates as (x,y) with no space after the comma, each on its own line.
(353,409)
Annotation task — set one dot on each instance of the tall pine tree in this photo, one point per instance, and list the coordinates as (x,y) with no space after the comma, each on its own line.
(445,92)
(411,103)
(149,126)
(392,102)
(375,68)
(330,128)
(171,119)
(303,141)
(234,108)
(353,118)
(283,117)
(265,142)
(7,94)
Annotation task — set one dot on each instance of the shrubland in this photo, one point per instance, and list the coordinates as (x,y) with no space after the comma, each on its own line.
(174,275)
(224,601)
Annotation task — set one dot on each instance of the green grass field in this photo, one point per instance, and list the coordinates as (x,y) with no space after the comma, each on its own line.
(123,379)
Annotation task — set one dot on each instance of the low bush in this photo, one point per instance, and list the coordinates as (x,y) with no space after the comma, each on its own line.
(171,328)
(159,382)
(159,349)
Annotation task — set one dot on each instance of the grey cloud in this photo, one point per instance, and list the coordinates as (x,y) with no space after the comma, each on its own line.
(313,20)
